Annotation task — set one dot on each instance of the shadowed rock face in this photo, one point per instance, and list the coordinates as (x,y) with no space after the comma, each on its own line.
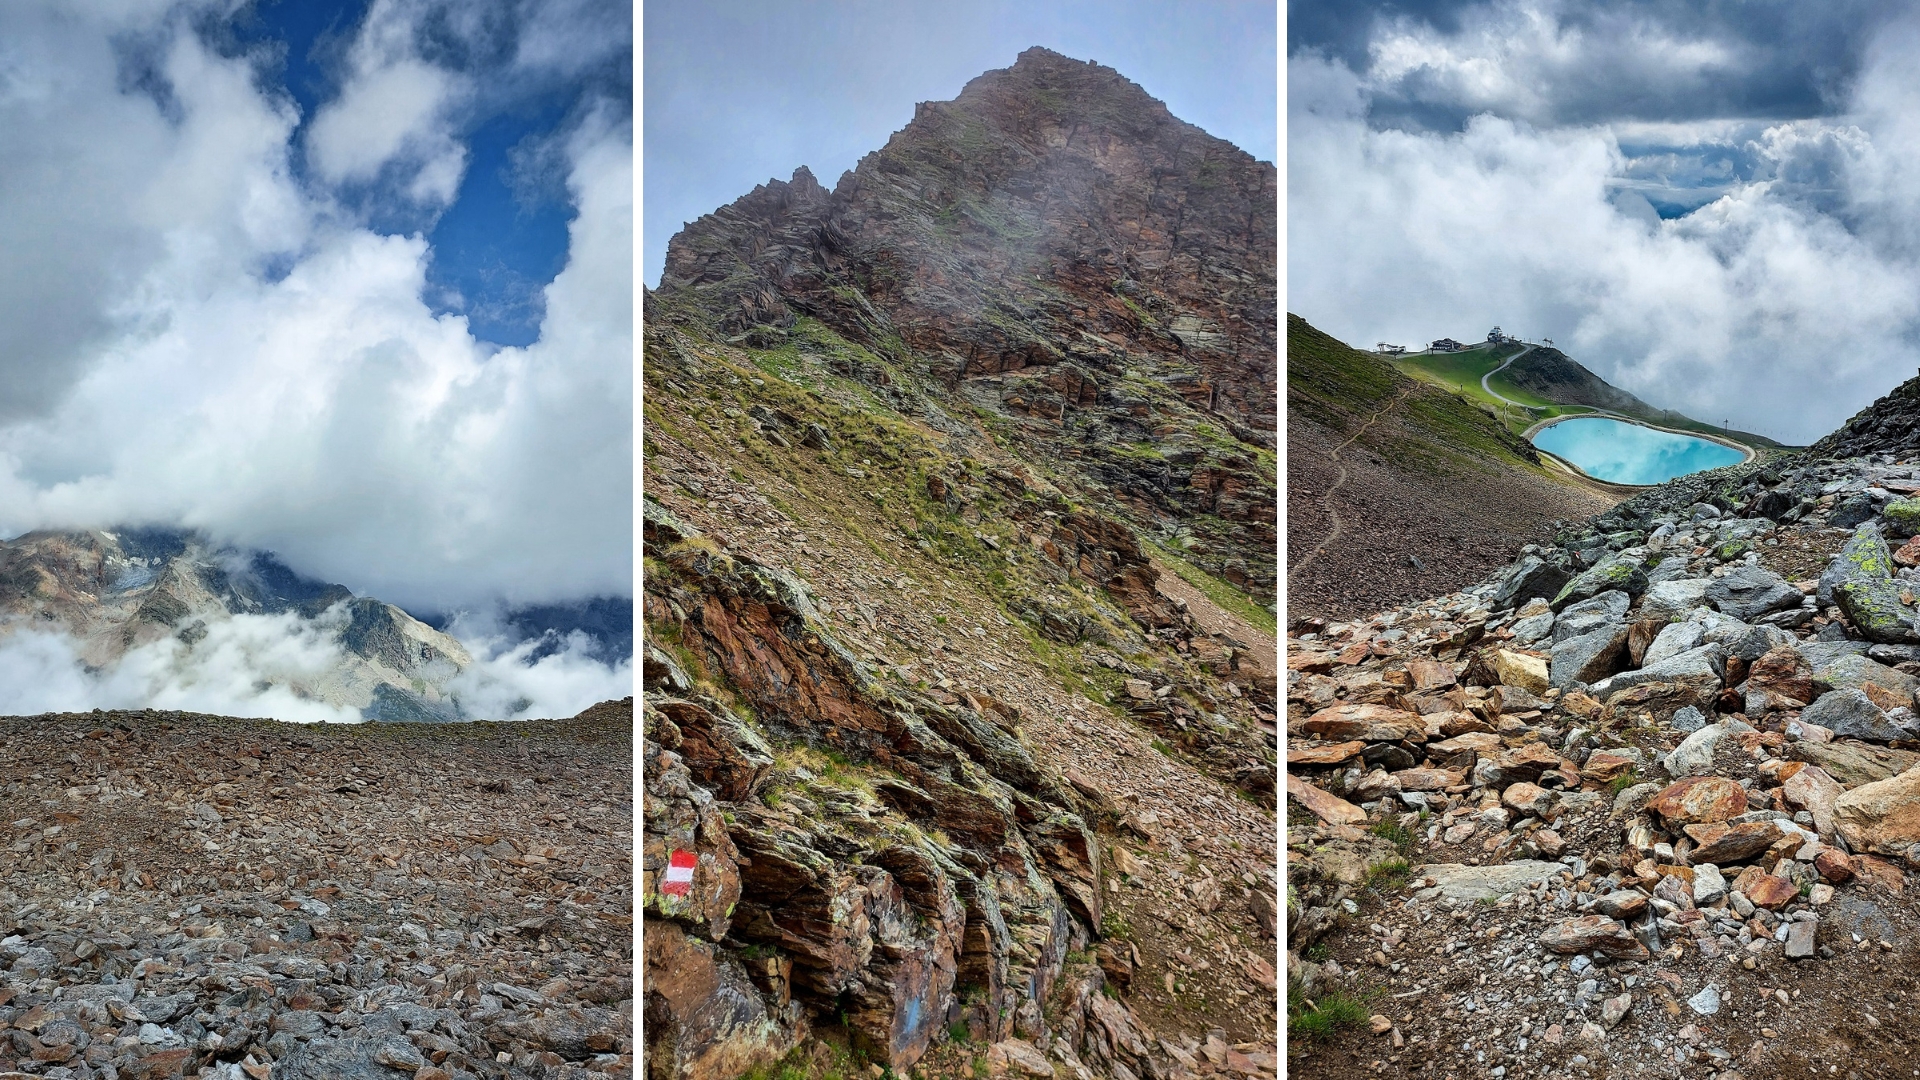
(1053,248)
(922,870)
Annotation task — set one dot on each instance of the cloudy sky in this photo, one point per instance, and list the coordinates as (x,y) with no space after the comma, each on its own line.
(738,92)
(348,280)
(1715,206)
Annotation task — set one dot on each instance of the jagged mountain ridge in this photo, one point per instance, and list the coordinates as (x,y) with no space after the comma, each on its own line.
(1054,252)
(115,590)
(925,455)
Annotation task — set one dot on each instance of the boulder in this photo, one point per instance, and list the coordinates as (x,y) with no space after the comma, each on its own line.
(1521,670)
(1675,639)
(1888,687)
(1613,573)
(1850,714)
(1324,805)
(1589,615)
(1699,798)
(1782,671)
(1902,517)
(1589,657)
(1528,578)
(1468,884)
(1748,592)
(1594,933)
(1882,817)
(1624,905)
(1812,790)
(1860,581)
(1369,723)
(1673,599)
(1694,755)
(1698,668)
(1527,799)
(1724,845)
(1853,763)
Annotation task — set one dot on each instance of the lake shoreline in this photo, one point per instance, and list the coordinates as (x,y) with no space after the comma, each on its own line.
(1747,453)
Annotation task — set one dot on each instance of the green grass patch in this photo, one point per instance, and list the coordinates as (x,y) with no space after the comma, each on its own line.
(1388,875)
(1624,781)
(1319,1020)
(1216,590)
(1394,833)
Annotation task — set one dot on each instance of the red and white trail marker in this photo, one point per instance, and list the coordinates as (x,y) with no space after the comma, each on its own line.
(680,874)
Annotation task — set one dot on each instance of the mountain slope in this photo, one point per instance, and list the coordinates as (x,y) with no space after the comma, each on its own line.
(1554,376)
(923,454)
(1435,493)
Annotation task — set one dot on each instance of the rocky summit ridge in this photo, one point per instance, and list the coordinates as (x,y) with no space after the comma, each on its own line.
(959,717)
(1641,803)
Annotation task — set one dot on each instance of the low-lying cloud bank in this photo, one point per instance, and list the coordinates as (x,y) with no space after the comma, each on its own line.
(252,665)
(1784,302)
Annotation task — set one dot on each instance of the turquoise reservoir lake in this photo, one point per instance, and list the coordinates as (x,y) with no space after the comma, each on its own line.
(1630,454)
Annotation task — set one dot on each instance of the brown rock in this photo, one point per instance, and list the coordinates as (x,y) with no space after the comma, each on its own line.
(1783,671)
(1324,753)
(1431,674)
(1480,742)
(1527,799)
(1882,817)
(1625,905)
(1603,765)
(1834,866)
(1327,807)
(1371,723)
(1459,722)
(1812,790)
(1770,891)
(1908,553)
(1733,844)
(1429,779)
(1699,798)
(1589,933)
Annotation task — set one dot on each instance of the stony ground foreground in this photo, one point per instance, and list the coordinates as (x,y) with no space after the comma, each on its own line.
(1643,804)
(184,895)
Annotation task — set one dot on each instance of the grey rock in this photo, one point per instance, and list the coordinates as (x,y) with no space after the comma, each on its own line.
(1689,719)
(1589,657)
(1615,572)
(1589,615)
(1694,755)
(1467,884)
(1630,800)
(1708,884)
(1699,667)
(1801,944)
(1526,579)
(1748,592)
(343,1059)
(1675,639)
(1673,597)
(1854,672)
(1706,1002)
(1852,715)
(1533,628)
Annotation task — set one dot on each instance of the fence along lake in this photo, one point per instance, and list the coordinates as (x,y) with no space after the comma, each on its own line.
(1624,453)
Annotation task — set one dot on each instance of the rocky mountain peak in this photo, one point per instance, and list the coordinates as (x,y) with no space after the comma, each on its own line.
(1891,425)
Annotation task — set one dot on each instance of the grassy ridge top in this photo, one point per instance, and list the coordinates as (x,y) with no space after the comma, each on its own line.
(1340,387)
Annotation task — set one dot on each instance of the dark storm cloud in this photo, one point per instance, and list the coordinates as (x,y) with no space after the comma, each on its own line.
(1433,65)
